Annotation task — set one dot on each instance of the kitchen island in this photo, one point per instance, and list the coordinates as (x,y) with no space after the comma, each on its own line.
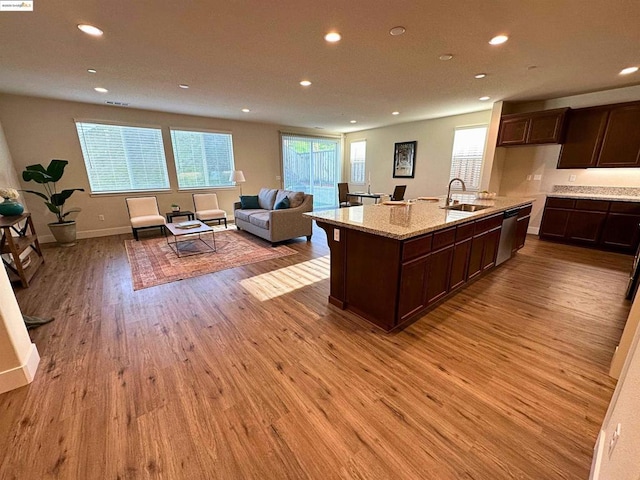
(392,263)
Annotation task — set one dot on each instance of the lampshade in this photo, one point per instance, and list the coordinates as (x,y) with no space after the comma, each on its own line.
(237,176)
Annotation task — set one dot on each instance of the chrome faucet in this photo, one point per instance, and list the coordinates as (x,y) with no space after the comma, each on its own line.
(464,189)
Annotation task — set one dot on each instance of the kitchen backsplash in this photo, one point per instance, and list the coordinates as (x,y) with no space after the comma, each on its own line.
(591,190)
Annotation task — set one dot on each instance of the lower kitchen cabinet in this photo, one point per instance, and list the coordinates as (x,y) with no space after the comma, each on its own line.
(584,226)
(522,225)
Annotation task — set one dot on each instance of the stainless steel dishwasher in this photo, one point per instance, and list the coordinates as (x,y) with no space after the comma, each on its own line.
(507,235)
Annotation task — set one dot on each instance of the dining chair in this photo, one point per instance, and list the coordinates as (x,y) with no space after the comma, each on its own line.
(398,192)
(144,213)
(343,198)
(207,209)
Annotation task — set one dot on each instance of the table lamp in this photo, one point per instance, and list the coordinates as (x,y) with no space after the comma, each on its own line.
(237,177)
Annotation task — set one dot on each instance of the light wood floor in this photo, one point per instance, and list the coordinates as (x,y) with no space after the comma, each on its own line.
(249,373)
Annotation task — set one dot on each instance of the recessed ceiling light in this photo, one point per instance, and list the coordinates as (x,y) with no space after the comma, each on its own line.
(498,40)
(395,113)
(484,99)
(353,121)
(305,83)
(246,110)
(183,85)
(395,31)
(628,70)
(480,75)
(92,70)
(101,90)
(446,56)
(90,29)
(332,37)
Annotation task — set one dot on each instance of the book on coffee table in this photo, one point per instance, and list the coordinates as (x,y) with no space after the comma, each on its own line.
(189,224)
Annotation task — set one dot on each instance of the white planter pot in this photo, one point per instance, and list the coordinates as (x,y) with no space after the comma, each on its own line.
(64,233)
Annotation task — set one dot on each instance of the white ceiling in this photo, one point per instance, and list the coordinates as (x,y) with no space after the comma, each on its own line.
(252,53)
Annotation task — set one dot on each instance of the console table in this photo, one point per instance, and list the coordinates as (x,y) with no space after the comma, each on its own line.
(15,245)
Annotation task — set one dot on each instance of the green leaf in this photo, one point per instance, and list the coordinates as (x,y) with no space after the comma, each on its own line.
(37,173)
(40,194)
(59,198)
(56,169)
(53,208)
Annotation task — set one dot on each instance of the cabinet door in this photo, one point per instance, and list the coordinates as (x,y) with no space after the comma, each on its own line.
(554,223)
(546,127)
(413,287)
(459,264)
(521,232)
(585,227)
(513,130)
(475,257)
(583,137)
(491,241)
(621,143)
(621,231)
(439,269)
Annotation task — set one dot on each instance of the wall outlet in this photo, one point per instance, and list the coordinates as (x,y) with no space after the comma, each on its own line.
(614,438)
(537,177)
(528,178)
(572,178)
(336,234)
(101,218)
(278,177)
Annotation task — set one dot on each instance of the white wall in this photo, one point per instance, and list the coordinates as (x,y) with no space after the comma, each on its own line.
(38,130)
(433,153)
(542,160)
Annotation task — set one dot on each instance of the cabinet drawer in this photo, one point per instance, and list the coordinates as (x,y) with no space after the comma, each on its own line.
(560,203)
(416,247)
(489,223)
(524,211)
(593,205)
(625,207)
(464,231)
(443,238)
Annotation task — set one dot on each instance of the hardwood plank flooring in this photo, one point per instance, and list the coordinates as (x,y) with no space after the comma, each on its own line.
(248,373)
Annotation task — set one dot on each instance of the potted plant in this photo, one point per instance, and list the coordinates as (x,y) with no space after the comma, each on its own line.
(63,230)
(175,207)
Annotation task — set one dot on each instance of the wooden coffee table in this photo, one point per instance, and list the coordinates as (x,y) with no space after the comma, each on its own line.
(185,239)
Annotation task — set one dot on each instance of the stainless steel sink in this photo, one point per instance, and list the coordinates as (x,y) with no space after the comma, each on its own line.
(466,207)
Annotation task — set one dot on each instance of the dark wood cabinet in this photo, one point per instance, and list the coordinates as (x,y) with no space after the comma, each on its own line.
(522,225)
(605,136)
(491,241)
(532,128)
(413,287)
(484,246)
(461,251)
(596,223)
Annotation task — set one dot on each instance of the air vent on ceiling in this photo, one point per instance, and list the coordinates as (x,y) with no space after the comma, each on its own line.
(117,104)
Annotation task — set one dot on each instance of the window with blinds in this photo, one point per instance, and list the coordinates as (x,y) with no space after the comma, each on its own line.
(203,159)
(122,158)
(357,161)
(468,150)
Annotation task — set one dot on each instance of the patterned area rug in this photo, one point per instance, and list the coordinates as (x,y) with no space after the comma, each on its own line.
(153,262)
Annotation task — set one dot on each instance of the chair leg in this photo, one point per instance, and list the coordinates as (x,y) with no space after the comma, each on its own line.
(135,234)
(308,238)
(225,223)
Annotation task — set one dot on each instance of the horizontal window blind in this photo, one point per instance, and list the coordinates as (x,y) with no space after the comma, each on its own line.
(203,159)
(468,151)
(357,161)
(122,158)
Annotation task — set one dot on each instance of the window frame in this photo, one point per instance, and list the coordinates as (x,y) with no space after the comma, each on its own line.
(159,128)
(175,160)
(364,162)
(470,188)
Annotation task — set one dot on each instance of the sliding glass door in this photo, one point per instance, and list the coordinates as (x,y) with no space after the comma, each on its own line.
(312,165)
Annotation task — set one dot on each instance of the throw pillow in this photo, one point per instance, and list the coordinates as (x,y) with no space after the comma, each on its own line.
(249,201)
(283,204)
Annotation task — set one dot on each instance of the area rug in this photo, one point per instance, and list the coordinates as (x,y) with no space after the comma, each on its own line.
(153,262)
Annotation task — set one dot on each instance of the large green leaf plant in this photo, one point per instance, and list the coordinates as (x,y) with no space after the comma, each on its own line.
(48,177)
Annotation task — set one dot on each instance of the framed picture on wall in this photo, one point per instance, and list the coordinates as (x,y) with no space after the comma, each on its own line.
(404,160)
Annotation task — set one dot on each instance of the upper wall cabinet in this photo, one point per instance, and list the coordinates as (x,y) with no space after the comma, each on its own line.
(532,128)
(606,136)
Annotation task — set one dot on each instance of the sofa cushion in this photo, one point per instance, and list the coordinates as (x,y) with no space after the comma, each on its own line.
(295,198)
(267,198)
(250,201)
(246,214)
(260,219)
(283,204)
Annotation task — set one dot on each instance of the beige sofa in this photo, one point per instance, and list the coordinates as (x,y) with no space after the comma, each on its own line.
(276,225)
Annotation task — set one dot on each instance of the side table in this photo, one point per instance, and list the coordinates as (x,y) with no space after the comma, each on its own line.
(15,245)
(181,213)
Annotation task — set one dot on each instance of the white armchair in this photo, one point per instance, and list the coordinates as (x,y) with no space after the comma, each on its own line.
(144,213)
(207,210)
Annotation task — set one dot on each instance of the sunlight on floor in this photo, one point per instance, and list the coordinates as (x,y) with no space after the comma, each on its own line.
(285,280)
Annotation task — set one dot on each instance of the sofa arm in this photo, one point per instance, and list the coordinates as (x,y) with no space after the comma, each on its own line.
(291,223)
(237,206)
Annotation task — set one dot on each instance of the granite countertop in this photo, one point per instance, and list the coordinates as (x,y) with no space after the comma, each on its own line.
(405,221)
(594,192)
(596,196)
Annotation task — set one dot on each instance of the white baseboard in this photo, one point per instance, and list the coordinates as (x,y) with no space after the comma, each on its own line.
(533,230)
(22,375)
